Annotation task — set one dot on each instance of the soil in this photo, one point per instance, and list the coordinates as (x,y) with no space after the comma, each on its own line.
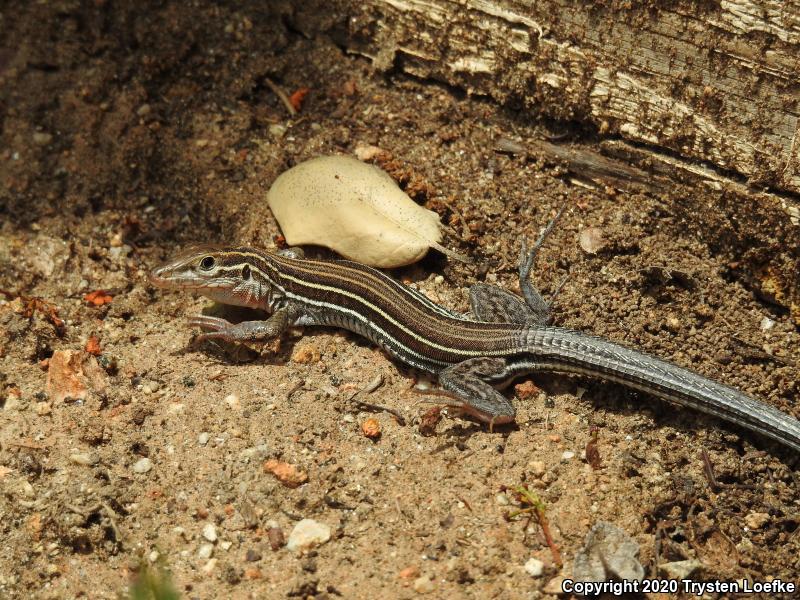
(129,133)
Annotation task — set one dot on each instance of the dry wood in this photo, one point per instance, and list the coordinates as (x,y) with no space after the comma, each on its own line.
(715,81)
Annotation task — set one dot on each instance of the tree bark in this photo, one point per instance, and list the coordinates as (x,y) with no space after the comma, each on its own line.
(710,81)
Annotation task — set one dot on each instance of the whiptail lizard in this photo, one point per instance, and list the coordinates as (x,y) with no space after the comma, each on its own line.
(508,337)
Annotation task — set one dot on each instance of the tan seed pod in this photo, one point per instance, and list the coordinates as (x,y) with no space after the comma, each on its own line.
(355,209)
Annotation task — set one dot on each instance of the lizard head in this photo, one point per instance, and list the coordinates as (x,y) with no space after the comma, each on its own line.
(229,276)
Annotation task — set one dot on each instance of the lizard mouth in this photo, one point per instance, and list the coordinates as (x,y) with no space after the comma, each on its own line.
(167,277)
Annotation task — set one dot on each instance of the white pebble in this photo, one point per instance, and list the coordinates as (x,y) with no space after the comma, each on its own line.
(84,459)
(568,455)
(205,551)
(143,465)
(232,400)
(148,387)
(210,532)
(423,585)
(277,130)
(153,556)
(26,490)
(307,534)
(210,566)
(534,567)
(203,438)
(767,324)
(501,499)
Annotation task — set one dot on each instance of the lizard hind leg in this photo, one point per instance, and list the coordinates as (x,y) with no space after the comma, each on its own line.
(527,256)
(467,382)
(493,304)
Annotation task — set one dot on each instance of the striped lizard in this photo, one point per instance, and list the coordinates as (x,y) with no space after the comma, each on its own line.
(505,337)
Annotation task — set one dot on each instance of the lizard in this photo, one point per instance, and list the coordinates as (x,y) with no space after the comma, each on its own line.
(506,336)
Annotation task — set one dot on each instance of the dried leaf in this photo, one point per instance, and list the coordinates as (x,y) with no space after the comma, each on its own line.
(98,297)
(93,346)
(296,99)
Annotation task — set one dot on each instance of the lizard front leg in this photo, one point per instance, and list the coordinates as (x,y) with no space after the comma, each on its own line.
(466,381)
(247,331)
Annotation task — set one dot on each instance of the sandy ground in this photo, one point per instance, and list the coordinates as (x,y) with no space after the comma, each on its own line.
(129,135)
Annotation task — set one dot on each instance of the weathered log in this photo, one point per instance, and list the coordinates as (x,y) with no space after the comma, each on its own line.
(710,81)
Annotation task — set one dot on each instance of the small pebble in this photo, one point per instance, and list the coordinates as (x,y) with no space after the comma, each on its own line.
(534,567)
(537,467)
(526,390)
(423,585)
(756,520)
(275,536)
(26,489)
(210,565)
(148,387)
(591,240)
(371,428)
(210,532)
(205,551)
(307,534)
(40,138)
(681,569)
(567,456)
(306,354)
(121,252)
(288,474)
(203,438)
(84,459)
(501,499)
(277,130)
(232,400)
(555,587)
(366,152)
(153,556)
(252,555)
(143,465)
(143,110)
(767,324)
(408,572)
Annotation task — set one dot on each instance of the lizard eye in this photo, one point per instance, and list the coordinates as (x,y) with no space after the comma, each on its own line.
(207,263)
(246,272)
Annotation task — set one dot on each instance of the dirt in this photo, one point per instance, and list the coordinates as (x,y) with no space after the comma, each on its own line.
(130,133)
